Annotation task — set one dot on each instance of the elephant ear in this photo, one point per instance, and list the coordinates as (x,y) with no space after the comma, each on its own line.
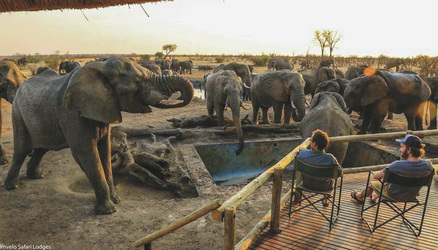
(376,89)
(341,102)
(89,91)
(315,100)
(324,74)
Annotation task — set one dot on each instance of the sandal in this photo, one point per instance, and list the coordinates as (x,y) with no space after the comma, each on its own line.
(353,195)
(374,200)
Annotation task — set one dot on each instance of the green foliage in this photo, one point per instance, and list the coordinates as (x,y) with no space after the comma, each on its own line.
(159,55)
(260,60)
(145,57)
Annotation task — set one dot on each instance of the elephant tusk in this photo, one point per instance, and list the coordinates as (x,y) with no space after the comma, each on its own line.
(246,86)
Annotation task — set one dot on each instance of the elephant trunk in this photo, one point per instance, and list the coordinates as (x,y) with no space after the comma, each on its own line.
(298,100)
(234,104)
(165,86)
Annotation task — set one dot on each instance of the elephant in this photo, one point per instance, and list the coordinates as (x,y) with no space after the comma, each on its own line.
(278,89)
(355,71)
(385,92)
(41,69)
(394,62)
(224,88)
(174,65)
(151,66)
(432,82)
(67,66)
(314,76)
(304,64)
(242,70)
(22,61)
(52,112)
(337,85)
(328,112)
(279,64)
(163,63)
(185,66)
(10,79)
(326,63)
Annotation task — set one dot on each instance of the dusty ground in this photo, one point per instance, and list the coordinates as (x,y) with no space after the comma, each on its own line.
(57,212)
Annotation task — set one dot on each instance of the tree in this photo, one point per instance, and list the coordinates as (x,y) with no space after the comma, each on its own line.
(320,39)
(327,39)
(168,48)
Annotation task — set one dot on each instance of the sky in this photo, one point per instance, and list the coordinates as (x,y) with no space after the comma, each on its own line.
(214,27)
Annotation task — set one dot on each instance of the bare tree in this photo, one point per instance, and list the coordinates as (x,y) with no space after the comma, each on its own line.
(168,48)
(321,40)
(332,38)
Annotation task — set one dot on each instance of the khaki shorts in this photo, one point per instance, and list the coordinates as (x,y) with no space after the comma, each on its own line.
(377,185)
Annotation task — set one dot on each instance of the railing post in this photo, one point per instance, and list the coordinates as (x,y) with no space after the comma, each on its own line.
(276,200)
(229,228)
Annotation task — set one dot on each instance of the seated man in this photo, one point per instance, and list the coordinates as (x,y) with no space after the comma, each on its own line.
(316,156)
(411,149)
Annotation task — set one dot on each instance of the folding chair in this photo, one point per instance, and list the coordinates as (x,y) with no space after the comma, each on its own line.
(408,205)
(314,196)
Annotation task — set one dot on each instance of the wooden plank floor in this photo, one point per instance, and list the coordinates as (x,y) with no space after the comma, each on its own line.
(307,229)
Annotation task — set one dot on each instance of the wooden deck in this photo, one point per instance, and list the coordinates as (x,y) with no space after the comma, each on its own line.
(307,229)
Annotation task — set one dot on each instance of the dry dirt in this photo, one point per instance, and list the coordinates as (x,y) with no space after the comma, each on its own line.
(56,212)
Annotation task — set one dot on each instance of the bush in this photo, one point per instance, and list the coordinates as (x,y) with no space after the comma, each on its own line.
(219,59)
(260,60)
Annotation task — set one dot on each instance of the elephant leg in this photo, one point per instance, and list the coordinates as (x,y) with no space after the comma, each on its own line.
(432,114)
(287,112)
(210,108)
(33,166)
(410,114)
(265,118)
(367,115)
(278,111)
(220,114)
(86,155)
(104,148)
(376,122)
(255,113)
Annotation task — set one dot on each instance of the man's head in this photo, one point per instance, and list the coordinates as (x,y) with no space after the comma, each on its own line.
(411,144)
(320,138)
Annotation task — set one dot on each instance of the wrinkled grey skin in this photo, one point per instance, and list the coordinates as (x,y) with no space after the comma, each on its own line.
(242,71)
(185,66)
(432,82)
(67,66)
(314,76)
(337,85)
(385,92)
(224,88)
(328,112)
(10,79)
(281,89)
(52,112)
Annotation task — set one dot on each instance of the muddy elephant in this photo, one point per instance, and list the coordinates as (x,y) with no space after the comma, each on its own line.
(242,71)
(385,92)
(224,88)
(432,82)
(10,79)
(314,76)
(52,112)
(67,66)
(282,89)
(328,112)
(185,66)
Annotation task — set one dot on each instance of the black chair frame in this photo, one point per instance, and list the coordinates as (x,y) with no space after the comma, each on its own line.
(303,193)
(408,205)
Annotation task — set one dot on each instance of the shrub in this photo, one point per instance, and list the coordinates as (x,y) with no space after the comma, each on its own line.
(260,60)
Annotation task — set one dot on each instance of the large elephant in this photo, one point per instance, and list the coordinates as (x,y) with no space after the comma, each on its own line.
(282,89)
(224,88)
(337,85)
(10,79)
(52,112)
(185,66)
(314,76)
(67,66)
(242,71)
(328,112)
(432,82)
(385,92)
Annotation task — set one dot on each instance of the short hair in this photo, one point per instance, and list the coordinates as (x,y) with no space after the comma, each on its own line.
(321,139)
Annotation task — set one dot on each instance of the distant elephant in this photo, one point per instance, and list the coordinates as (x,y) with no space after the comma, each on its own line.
(394,62)
(22,61)
(185,66)
(52,112)
(314,76)
(273,62)
(224,88)
(326,63)
(328,112)
(432,82)
(151,66)
(174,65)
(163,63)
(304,64)
(337,85)
(41,69)
(167,72)
(339,73)
(282,89)
(242,71)
(385,92)
(10,79)
(67,66)
(353,72)
(282,65)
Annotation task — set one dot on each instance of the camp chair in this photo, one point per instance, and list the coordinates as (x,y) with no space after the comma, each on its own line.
(314,196)
(408,205)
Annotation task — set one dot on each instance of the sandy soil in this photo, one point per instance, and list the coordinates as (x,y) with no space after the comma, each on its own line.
(57,212)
